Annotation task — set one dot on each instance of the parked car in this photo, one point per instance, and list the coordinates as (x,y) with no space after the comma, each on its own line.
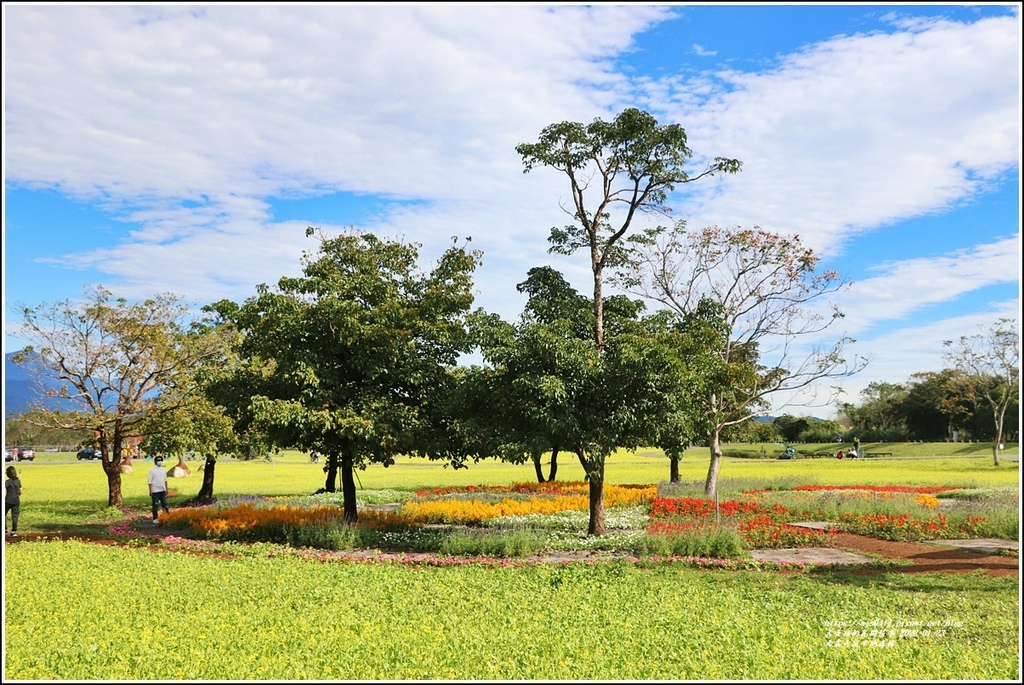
(26,454)
(90,453)
(9,454)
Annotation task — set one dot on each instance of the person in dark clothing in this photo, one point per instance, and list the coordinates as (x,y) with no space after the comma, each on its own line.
(12,500)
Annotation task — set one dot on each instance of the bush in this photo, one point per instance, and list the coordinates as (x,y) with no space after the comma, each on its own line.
(719,543)
(333,537)
(508,543)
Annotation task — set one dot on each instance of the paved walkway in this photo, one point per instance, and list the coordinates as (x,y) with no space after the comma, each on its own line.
(810,555)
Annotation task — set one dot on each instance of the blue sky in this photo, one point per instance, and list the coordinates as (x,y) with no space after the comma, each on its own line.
(185,148)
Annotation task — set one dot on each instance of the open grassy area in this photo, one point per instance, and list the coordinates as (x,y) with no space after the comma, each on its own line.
(129,614)
(76,611)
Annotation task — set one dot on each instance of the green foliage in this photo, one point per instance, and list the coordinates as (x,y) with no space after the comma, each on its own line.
(335,537)
(717,543)
(268,617)
(504,544)
(763,285)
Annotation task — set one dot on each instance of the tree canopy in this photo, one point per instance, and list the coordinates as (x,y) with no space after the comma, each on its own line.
(122,364)
(349,359)
(637,162)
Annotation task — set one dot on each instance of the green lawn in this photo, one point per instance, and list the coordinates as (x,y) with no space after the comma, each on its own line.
(132,614)
(76,611)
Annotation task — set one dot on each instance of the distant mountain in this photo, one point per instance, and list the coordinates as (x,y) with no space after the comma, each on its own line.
(21,390)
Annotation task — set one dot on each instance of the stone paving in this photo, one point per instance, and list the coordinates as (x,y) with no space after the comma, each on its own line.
(981,545)
(810,555)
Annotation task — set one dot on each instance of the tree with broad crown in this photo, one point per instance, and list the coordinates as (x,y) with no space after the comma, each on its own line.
(992,357)
(356,350)
(531,419)
(554,389)
(881,413)
(762,282)
(938,405)
(123,364)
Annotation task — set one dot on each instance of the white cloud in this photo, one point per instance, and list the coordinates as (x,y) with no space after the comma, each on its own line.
(225,106)
(905,287)
(855,133)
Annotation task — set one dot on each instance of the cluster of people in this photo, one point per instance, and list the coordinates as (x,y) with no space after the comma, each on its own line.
(157,479)
(854,452)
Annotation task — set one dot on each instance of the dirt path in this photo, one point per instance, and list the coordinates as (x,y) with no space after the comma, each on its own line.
(925,558)
(928,558)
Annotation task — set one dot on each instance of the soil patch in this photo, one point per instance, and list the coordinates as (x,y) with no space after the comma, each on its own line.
(928,557)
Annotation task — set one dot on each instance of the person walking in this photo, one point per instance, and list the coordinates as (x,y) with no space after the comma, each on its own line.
(856,445)
(158,487)
(12,500)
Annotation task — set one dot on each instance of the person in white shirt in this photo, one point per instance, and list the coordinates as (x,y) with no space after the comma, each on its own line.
(158,487)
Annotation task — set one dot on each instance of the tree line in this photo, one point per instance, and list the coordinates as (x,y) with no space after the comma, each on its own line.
(357,358)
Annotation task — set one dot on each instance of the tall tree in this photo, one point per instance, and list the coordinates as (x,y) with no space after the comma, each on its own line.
(764,283)
(354,351)
(636,162)
(121,363)
(992,357)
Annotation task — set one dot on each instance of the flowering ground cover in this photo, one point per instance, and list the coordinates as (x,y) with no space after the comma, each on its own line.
(239,608)
(292,618)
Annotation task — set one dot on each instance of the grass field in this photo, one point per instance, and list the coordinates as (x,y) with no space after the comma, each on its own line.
(77,611)
(131,614)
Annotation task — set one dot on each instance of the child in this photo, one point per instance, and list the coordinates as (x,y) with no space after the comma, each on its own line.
(12,500)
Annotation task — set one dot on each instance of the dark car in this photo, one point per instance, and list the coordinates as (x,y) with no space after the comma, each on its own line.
(26,454)
(90,453)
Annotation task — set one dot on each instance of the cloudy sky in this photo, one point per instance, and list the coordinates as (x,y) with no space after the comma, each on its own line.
(184,149)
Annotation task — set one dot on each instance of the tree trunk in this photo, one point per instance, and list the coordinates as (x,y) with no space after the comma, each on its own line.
(554,465)
(711,484)
(113,470)
(205,495)
(999,434)
(538,469)
(673,468)
(598,269)
(595,476)
(348,485)
(112,467)
(331,484)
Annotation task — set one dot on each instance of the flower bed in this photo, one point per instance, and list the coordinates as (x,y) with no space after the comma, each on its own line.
(758,525)
(529,518)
